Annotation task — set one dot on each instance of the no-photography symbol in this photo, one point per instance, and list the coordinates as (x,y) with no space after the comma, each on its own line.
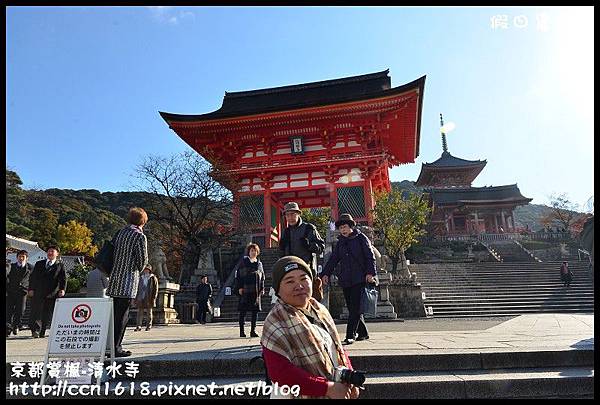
(81,313)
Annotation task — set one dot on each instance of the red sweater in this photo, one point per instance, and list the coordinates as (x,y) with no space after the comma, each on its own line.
(283,372)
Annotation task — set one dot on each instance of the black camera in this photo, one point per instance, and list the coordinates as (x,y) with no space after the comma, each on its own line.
(345,375)
(81,313)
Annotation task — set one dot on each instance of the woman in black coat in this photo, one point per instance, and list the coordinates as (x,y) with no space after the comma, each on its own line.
(249,285)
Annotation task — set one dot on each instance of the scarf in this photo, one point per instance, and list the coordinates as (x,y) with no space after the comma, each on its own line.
(288,332)
(136,228)
(255,268)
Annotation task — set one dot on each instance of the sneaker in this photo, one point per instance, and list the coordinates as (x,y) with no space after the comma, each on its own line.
(253,334)
(365,337)
(124,353)
(242,334)
(348,341)
(148,327)
(35,335)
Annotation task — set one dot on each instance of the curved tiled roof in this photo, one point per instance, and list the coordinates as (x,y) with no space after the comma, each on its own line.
(478,195)
(447,160)
(354,88)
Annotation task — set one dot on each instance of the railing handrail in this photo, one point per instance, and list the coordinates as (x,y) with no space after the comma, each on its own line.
(228,283)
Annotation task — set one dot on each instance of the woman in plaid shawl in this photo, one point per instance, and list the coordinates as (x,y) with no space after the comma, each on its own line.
(299,341)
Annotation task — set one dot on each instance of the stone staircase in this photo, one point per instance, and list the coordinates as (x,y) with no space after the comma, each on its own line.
(501,289)
(529,374)
(510,251)
(229,306)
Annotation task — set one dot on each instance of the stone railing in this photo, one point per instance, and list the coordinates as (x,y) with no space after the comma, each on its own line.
(492,251)
(528,252)
(490,237)
(549,236)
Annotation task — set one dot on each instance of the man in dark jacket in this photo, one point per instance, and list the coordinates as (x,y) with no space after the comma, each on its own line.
(355,253)
(301,239)
(203,294)
(17,284)
(48,281)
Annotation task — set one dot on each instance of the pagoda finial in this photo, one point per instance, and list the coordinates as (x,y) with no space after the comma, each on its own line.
(444,144)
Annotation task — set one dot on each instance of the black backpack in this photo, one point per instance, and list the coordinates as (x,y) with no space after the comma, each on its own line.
(105,257)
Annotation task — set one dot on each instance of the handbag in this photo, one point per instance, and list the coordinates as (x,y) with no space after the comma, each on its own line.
(317,289)
(368,300)
(105,257)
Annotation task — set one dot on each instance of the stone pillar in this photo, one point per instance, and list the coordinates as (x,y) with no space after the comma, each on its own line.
(206,265)
(164,313)
(503,221)
(476,223)
(385,308)
(496,223)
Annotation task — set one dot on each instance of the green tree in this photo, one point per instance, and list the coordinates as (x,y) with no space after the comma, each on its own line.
(319,218)
(77,278)
(399,223)
(76,238)
(17,230)
(44,223)
(15,198)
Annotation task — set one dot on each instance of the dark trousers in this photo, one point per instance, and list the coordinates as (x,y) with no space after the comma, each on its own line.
(41,314)
(356,321)
(252,322)
(15,307)
(202,310)
(121,313)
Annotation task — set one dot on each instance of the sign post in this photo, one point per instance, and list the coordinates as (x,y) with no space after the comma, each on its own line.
(81,328)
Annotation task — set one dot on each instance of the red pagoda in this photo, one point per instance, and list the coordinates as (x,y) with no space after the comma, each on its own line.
(327,143)
(458,208)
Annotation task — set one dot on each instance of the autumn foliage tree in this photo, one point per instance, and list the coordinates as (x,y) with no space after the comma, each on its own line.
(562,213)
(399,222)
(75,238)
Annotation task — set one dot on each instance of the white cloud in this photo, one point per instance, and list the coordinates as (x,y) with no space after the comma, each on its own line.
(169,14)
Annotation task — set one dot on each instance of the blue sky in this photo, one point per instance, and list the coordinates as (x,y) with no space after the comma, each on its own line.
(85,84)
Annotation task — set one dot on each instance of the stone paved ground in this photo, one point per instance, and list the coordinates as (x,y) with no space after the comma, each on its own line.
(525,332)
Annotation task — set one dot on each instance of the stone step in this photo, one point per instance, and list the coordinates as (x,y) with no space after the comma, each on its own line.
(511,300)
(441,296)
(502,288)
(465,312)
(547,383)
(241,364)
(514,305)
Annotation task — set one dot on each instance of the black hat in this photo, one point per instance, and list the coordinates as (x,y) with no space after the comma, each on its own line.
(345,219)
(285,265)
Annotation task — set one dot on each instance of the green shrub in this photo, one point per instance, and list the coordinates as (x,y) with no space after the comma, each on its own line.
(73,285)
(78,276)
